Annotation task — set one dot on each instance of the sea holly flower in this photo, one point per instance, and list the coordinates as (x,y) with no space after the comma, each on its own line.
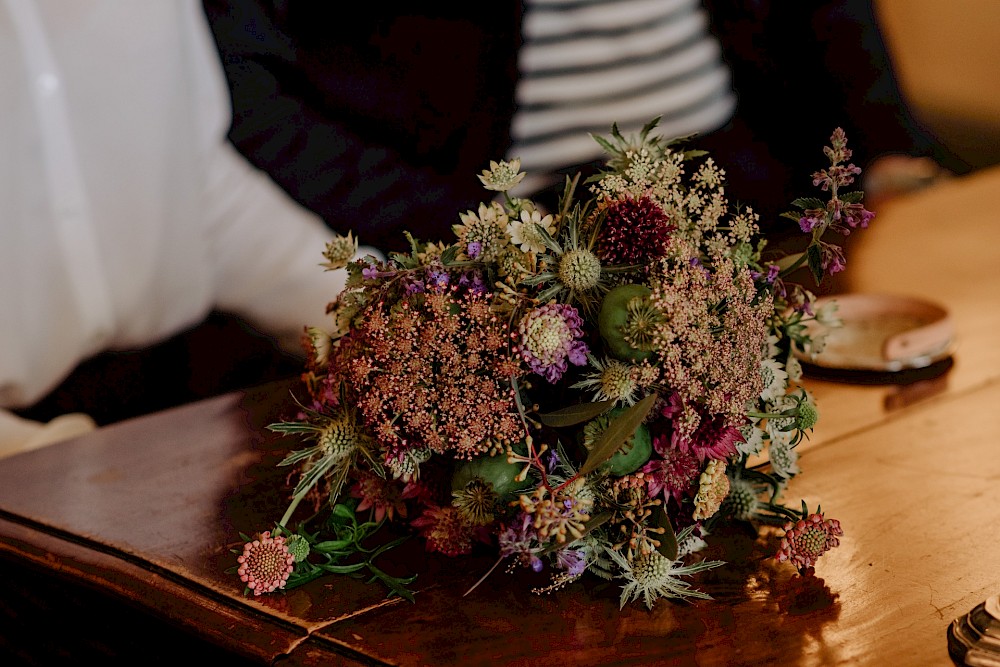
(652,576)
(807,539)
(265,564)
(551,337)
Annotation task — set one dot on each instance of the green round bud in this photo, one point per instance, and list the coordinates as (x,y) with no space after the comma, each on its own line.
(298,547)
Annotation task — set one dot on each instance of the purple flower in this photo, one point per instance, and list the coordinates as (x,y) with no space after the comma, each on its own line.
(474,248)
(415,287)
(515,540)
(370,272)
(438,280)
(550,336)
(572,561)
(812,219)
(772,273)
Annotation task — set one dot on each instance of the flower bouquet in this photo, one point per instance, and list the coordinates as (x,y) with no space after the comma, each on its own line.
(588,389)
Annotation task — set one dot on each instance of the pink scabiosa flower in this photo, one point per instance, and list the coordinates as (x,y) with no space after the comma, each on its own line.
(265,563)
(807,539)
(635,231)
(550,336)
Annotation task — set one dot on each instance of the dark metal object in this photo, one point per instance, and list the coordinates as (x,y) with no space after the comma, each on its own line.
(974,639)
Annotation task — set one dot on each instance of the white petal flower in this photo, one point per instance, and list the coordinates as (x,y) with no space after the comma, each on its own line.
(775,379)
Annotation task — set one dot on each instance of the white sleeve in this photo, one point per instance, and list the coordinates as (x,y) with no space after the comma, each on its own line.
(267,250)
(21,435)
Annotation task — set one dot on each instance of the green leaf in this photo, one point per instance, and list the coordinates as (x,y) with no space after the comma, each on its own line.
(293,427)
(617,434)
(809,202)
(342,569)
(332,545)
(852,197)
(815,262)
(547,239)
(791,215)
(668,541)
(593,523)
(606,145)
(449,254)
(575,414)
(300,455)
(539,279)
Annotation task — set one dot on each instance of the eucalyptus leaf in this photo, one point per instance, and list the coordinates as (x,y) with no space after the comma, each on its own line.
(575,414)
(618,432)
(668,540)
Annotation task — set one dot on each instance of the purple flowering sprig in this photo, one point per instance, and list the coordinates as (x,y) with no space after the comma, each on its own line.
(842,213)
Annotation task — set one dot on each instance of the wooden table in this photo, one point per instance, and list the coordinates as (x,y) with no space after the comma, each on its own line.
(115,544)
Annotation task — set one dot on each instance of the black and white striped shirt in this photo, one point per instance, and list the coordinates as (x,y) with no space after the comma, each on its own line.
(586,64)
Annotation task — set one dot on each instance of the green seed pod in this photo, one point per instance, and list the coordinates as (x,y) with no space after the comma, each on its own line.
(633,455)
(613,318)
(493,469)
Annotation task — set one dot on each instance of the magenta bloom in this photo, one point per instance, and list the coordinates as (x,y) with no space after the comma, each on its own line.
(265,564)
(635,231)
(550,337)
(808,539)
(713,439)
(674,475)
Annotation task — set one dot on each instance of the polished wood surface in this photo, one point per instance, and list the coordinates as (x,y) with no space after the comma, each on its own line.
(143,515)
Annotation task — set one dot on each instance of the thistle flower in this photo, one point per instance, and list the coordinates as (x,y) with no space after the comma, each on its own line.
(550,337)
(807,539)
(652,576)
(265,564)
(502,176)
(743,500)
(612,380)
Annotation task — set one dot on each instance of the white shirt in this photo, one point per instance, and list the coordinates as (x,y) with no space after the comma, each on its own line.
(125,215)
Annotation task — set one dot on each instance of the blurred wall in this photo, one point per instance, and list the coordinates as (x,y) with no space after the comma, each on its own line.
(947,56)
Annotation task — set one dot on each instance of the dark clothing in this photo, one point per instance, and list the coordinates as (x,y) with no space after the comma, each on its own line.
(380,123)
